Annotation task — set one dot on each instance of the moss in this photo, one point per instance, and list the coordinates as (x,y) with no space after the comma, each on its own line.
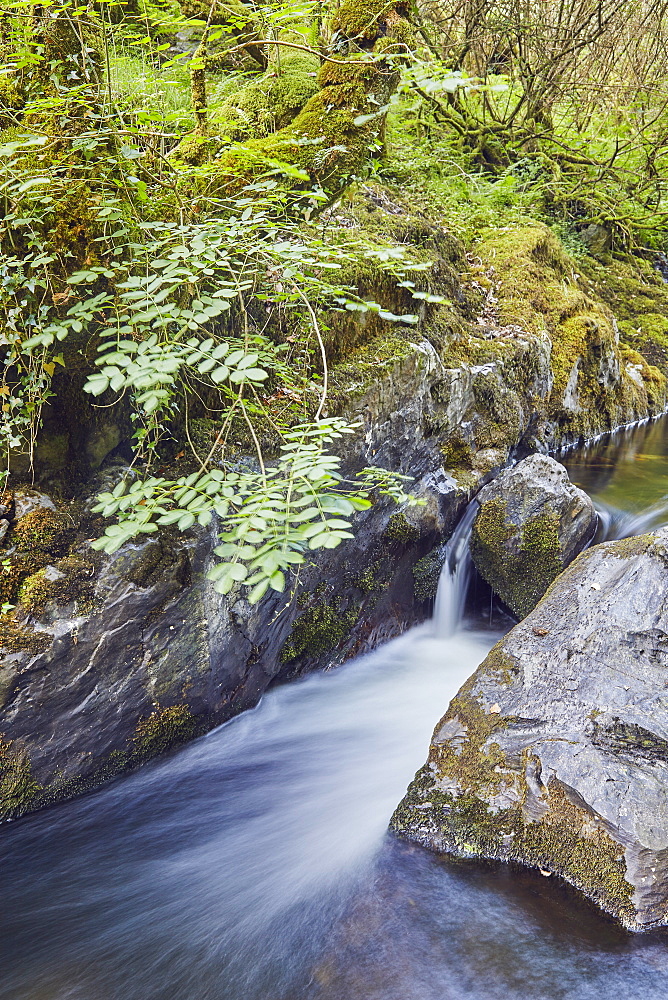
(38,589)
(319,630)
(472,759)
(540,291)
(365,366)
(270,103)
(519,564)
(500,665)
(567,840)
(15,638)
(457,453)
(627,548)
(42,529)
(426,574)
(18,787)
(331,137)
(399,529)
(367,21)
(164,728)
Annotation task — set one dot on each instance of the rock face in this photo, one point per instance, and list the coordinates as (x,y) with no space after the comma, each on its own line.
(555,752)
(531,524)
(108,661)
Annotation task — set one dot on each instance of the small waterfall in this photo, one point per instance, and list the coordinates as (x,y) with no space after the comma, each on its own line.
(615,523)
(455,577)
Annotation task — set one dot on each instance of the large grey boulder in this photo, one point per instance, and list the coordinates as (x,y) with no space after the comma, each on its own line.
(531,524)
(555,752)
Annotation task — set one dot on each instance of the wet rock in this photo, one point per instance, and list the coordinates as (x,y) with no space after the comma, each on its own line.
(555,752)
(532,523)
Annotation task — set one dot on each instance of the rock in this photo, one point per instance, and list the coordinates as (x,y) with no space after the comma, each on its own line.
(108,660)
(53,575)
(596,238)
(532,523)
(555,752)
(4,528)
(27,501)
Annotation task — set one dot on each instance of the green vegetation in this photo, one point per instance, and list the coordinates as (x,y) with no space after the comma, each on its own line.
(318,630)
(226,224)
(163,729)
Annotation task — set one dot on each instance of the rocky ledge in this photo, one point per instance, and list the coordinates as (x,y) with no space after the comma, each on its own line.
(554,753)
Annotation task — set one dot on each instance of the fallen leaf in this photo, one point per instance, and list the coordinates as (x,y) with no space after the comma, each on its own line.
(495,709)
(541,631)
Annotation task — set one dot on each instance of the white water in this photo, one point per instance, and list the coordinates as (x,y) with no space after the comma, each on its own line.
(219,872)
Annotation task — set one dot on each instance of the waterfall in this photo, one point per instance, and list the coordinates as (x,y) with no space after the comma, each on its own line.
(455,577)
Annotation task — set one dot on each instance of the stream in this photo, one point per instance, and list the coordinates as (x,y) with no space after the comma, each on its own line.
(255,863)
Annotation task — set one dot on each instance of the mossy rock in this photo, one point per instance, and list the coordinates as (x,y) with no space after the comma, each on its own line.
(319,630)
(541,291)
(67,580)
(532,522)
(163,729)
(18,787)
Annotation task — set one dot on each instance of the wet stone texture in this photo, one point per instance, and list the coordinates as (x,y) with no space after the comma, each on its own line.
(555,752)
(531,524)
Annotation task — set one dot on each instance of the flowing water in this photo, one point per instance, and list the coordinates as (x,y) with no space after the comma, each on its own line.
(255,864)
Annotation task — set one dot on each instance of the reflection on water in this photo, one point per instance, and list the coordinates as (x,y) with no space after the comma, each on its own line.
(626,474)
(255,864)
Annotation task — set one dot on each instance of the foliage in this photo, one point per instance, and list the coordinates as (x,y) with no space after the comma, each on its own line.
(269,517)
(162,300)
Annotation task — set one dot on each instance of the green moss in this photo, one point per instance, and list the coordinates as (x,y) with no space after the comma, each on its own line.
(457,453)
(18,787)
(319,630)
(566,840)
(540,291)
(366,21)
(38,589)
(499,664)
(519,564)
(163,729)
(426,574)
(42,529)
(399,529)
(627,548)
(365,366)
(270,103)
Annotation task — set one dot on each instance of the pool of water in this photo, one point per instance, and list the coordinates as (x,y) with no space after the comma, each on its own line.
(255,864)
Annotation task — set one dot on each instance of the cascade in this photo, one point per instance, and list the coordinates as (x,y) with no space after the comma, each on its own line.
(455,577)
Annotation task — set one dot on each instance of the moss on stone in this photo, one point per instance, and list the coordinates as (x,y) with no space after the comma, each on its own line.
(18,787)
(319,630)
(500,665)
(365,367)
(162,729)
(426,574)
(399,529)
(42,529)
(40,588)
(540,291)
(519,563)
